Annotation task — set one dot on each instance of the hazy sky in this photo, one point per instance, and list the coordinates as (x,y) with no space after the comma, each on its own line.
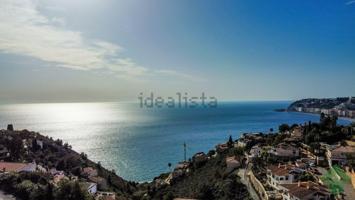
(105,50)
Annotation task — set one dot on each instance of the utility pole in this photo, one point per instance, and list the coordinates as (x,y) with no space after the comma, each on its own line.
(185,151)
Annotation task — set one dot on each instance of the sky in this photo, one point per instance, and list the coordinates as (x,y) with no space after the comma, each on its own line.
(112,50)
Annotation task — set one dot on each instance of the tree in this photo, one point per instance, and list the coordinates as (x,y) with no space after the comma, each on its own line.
(168,196)
(206,193)
(239,151)
(69,190)
(109,179)
(283,128)
(230,141)
(16,148)
(169,165)
(49,191)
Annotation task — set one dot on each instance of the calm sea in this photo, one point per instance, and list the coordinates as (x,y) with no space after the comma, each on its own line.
(140,142)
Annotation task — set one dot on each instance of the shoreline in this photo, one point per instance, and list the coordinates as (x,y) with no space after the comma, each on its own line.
(317,114)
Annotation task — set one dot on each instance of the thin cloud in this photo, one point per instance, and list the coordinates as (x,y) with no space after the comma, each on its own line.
(173,73)
(350,2)
(25,31)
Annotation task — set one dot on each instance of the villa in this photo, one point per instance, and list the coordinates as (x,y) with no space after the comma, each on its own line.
(254,152)
(105,196)
(281,174)
(90,187)
(285,151)
(339,154)
(304,191)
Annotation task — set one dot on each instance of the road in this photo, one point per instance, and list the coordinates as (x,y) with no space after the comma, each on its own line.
(242,174)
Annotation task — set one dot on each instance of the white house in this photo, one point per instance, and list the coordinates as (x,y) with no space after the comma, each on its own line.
(91,187)
(255,151)
(281,174)
(39,143)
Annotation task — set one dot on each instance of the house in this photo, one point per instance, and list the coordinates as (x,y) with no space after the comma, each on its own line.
(89,171)
(284,151)
(220,148)
(182,165)
(105,196)
(249,139)
(242,142)
(338,155)
(255,151)
(91,188)
(305,163)
(325,111)
(199,158)
(39,143)
(54,171)
(280,174)
(59,177)
(304,191)
(41,169)
(297,133)
(232,163)
(177,173)
(17,167)
(101,182)
(4,152)
(180,169)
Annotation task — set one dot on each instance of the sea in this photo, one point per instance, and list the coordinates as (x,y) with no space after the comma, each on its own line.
(138,143)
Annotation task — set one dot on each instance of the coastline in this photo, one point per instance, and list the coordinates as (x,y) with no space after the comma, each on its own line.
(317,114)
(219,168)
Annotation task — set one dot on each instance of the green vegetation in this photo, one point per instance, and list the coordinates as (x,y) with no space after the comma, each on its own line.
(208,181)
(344,177)
(331,180)
(36,186)
(283,128)
(23,147)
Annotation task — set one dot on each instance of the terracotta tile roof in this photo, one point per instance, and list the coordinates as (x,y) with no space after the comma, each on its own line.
(89,171)
(340,152)
(12,167)
(282,170)
(305,190)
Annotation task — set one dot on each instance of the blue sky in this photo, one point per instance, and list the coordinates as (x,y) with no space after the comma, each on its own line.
(105,50)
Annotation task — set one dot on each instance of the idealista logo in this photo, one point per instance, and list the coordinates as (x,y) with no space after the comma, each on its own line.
(179,100)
